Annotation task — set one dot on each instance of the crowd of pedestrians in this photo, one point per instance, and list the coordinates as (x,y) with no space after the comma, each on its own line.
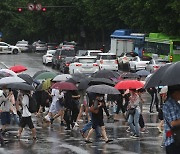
(72,105)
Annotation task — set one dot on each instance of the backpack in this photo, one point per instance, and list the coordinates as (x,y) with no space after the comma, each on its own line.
(32,104)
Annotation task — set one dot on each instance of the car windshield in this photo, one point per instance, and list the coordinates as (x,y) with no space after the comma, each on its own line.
(51,52)
(86,60)
(22,42)
(161,61)
(108,57)
(68,53)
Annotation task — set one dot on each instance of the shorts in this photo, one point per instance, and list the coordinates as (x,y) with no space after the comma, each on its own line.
(5,118)
(26,121)
(97,123)
(55,107)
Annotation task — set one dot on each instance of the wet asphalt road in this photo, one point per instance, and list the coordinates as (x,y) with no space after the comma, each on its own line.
(55,140)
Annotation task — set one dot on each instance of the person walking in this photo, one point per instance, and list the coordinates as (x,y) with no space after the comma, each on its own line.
(26,116)
(171,114)
(97,119)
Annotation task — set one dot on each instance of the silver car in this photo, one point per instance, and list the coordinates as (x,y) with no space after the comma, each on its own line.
(40,46)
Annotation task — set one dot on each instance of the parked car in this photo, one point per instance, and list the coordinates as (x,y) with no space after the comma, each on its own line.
(84,64)
(124,59)
(47,58)
(24,46)
(7,48)
(52,46)
(39,46)
(107,61)
(62,58)
(155,64)
(138,63)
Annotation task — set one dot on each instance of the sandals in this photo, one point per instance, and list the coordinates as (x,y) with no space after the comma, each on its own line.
(88,141)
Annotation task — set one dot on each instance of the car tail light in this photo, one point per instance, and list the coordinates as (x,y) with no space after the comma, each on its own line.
(67,64)
(49,56)
(156,67)
(171,58)
(78,64)
(101,61)
(95,65)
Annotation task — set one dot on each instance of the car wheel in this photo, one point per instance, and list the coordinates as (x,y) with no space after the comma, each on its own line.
(15,51)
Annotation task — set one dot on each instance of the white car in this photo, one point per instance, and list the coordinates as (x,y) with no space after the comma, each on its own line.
(138,63)
(93,52)
(7,48)
(84,64)
(23,45)
(107,61)
(47,58)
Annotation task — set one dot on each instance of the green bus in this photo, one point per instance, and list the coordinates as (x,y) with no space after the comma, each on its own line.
(166,47)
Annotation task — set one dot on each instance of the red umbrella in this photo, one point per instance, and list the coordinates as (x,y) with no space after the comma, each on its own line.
(129,84)
(64,86)
(18,68)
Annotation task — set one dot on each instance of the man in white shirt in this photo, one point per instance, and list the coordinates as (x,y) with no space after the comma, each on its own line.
(26,116)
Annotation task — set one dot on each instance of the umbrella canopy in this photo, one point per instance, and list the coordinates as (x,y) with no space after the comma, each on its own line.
(97,81)
(45,75)
(143,73)
(105,74)
(18,68)
(8,71)
(103,89)
(155,79)
(129,84)
(64,86)
(44,85)
(27,78)
(79,75)
(20,86)
(129,75)
(62,77)
(39,72)
(84,83)
(8,80)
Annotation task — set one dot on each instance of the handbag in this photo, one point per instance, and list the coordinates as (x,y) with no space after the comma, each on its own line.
(93,110)
(132,111)
(175,130)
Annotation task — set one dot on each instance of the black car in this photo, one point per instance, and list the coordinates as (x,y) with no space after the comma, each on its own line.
(62,58)
(52,46)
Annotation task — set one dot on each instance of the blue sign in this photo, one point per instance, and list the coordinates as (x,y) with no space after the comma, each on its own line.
(0,34)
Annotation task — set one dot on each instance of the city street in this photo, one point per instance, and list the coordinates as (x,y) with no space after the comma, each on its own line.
(55,140)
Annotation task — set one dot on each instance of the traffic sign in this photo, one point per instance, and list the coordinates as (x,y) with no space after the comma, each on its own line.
(38,7)
(31,6)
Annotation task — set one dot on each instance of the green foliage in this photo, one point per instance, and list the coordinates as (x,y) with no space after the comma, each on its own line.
(96,19)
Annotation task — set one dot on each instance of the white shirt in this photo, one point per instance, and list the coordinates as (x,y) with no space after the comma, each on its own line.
(55,95)
(25,104)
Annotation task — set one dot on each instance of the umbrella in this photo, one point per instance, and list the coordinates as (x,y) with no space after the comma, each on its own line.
(39,72)
(27,78)
(8,71)
(20,86)
(97,81)
(8,80)
(155,79)
(129,75)
(143,73)
(79,75)
(129,84)
(64,86)
(45,75)
(84,83)
(44,85)
(62,77)
(18,68)
(103,89)
(105,74)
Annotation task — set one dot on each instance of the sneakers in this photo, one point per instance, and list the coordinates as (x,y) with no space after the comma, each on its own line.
(47,118)
(88,141)
(109,141)
(159,129)
(144,131)
(128,130)
(135,136)
(76,124)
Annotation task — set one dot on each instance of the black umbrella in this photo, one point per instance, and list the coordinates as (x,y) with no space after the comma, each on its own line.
(79,75)
(97,81)
(84,83)
(129,75)
(105,74)
(155,79)
(20,86)
(27,78)
(103,89)
(39,72)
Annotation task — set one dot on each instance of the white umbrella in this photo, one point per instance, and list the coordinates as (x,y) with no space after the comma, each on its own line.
(8,71)
(8,80)
(62,77)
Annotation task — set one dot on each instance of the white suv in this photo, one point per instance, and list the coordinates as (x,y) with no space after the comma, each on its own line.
(7,48)
(107,61)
